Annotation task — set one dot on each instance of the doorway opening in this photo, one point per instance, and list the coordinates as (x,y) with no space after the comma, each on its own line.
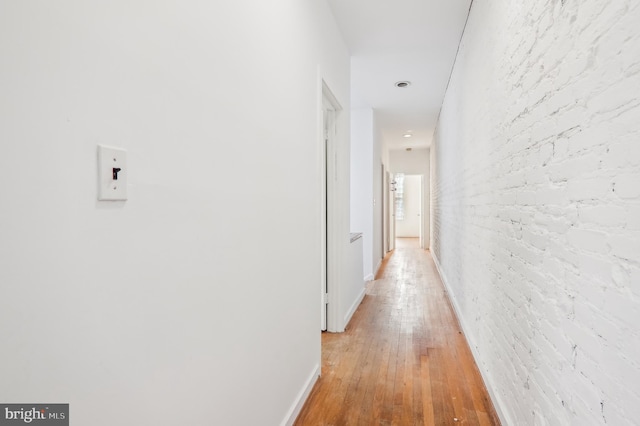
(406,209)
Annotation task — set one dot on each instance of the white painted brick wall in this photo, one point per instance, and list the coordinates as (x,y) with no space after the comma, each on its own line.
(536,206)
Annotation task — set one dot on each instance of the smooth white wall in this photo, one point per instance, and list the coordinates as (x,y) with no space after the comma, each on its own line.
(416,162)
(198,296)
(536,206)
(353,291)
(362,186)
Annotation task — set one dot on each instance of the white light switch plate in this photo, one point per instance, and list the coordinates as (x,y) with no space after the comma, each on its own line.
(112,173)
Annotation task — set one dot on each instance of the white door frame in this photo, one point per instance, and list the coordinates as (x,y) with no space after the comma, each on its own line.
(420,209)
(323,218)
(385,209)
(330,214)
(423,215)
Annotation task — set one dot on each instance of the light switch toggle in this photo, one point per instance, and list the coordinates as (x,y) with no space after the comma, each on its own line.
(112,173)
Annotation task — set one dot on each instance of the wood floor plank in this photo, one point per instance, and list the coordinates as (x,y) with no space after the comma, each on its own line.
(425,382)
(381,381)
(403,359)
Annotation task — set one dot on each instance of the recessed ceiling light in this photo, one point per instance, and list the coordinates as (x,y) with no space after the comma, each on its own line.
(403,84)
(407,135)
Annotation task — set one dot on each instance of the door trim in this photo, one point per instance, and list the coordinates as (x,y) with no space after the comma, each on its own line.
(330,206)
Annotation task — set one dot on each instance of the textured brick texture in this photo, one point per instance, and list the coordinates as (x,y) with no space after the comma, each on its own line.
(536,206)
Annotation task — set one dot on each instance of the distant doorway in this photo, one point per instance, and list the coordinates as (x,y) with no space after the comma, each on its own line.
(408,206)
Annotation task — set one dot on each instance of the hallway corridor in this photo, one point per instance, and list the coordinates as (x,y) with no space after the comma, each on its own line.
(402,359)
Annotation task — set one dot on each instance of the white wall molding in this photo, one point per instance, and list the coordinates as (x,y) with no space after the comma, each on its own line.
(378,266)
(497,403)
(354,307)
(302,397)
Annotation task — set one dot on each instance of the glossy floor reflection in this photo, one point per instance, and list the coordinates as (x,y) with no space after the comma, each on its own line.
(403,359)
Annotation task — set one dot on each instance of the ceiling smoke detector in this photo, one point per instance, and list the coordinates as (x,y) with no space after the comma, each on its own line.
(402,84)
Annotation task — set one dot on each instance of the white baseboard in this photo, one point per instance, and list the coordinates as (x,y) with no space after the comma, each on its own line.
(353,308)
(472,346)
(369,277)
(295,409)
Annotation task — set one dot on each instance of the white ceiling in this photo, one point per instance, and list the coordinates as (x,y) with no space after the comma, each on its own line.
(395,40)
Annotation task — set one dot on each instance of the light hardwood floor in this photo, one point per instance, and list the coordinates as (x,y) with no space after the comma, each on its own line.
(403,359)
